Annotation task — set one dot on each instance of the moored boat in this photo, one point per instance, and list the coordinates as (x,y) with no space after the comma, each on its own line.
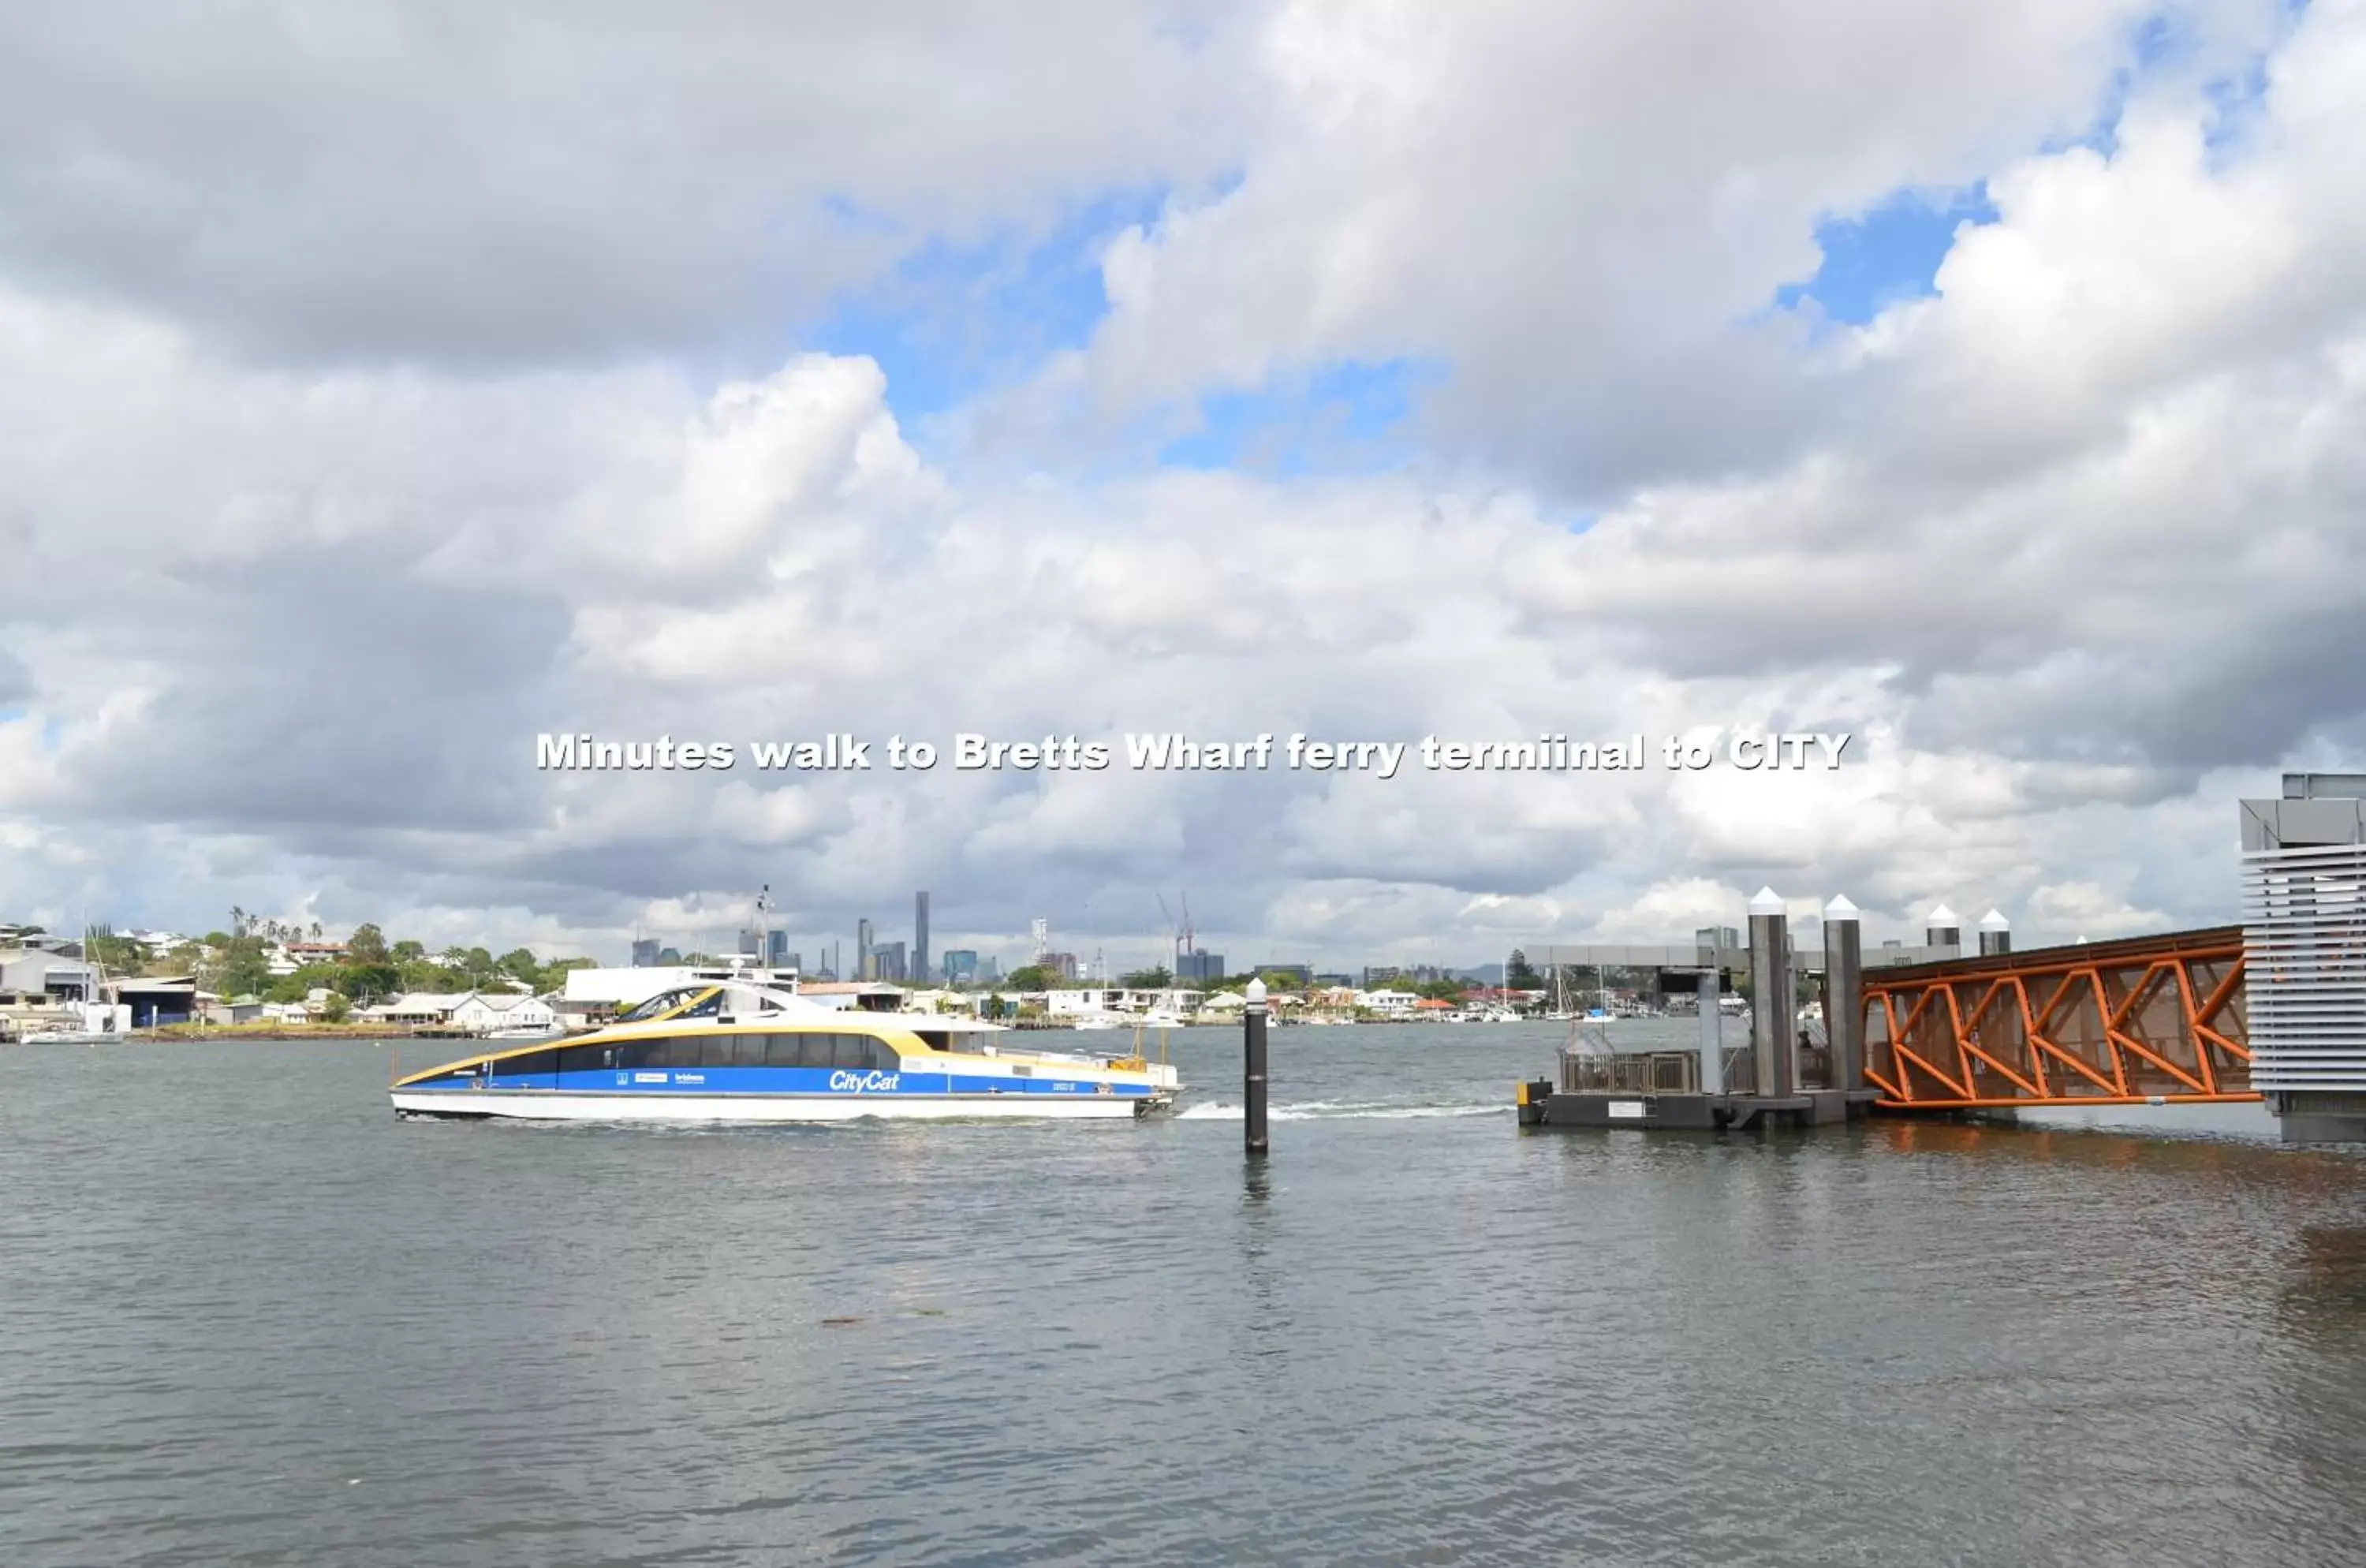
(744,1052)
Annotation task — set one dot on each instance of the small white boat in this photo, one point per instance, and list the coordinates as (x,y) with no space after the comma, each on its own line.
(93,1023)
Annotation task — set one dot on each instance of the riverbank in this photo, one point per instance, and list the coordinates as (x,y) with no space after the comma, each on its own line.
(171,1033)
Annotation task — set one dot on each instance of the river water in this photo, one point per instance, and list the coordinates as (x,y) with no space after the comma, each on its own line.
(248,1316)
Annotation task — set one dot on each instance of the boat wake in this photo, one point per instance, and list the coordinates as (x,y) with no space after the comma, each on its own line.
(1338,1111)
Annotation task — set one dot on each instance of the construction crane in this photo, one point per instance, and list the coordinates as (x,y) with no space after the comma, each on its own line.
(1180,932)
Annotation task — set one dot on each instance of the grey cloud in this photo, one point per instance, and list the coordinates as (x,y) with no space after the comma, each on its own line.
(489,184)
(1579,210)
(348,600)
(324,696)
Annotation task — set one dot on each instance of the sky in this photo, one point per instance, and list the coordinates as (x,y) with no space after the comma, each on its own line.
(382,386)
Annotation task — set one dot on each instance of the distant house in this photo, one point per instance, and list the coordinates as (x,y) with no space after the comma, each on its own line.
(469,1012)
(575,1013)
(245,1009)
(419,1009)
(1087,1002)
(1389,1004)
(289,957)
(483,1013)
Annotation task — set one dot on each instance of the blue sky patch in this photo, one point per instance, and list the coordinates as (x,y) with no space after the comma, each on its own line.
(1890,253)
(954,320)
(1335,420)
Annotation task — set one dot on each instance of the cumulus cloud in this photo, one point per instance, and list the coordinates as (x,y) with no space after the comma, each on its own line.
(1580,209)
(304,554)
(491,185)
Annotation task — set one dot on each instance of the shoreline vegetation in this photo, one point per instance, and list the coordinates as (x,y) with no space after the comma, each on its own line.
(170,1034)
(264,979)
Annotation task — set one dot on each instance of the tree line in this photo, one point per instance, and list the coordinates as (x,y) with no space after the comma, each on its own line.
(237,962)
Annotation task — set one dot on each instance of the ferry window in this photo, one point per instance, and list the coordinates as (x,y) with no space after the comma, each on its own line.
(796,1050)
(673,1051)
(587,1058)
(858,1051)
(532,1062)
(707,1009)
(663,1002)
(727,1050)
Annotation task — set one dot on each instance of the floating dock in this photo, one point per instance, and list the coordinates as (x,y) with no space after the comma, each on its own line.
(1782,1079)
(1543,1105)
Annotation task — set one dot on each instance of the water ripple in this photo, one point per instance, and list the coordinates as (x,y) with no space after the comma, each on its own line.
(252,1318)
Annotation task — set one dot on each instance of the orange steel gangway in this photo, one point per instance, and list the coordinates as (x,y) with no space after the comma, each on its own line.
(2151,1021)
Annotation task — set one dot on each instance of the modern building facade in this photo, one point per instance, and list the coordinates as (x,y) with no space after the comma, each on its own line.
(2305,953)
(1199,968)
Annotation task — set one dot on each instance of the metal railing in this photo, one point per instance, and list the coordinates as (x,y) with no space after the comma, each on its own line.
(1639,1072)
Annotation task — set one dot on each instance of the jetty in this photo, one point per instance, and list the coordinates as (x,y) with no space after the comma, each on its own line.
(2271,1010)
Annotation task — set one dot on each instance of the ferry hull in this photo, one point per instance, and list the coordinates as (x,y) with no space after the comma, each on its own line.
(560,1106)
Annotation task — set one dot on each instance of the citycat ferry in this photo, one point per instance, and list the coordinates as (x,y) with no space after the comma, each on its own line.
(743,1052)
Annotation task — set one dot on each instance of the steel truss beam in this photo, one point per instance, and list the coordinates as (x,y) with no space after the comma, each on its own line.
(2150,1022)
